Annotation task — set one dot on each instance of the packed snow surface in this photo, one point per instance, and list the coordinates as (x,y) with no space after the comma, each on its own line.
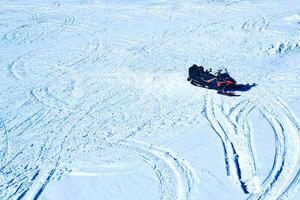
(95,104)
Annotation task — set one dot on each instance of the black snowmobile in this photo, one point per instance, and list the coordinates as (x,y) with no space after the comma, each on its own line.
(222,82)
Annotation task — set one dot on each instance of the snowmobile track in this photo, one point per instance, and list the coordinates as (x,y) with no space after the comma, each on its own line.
(252,28)
(175,177)
(237,141)
(70,86)
(208,112)
(25,66)
(37,29)
(280,181)
(238,118)
(3,143)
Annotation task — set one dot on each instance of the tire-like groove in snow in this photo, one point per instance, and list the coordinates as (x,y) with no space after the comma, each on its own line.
(238,118)
(294,185)
(232,151)
(209,116)
(279,183)
(3,143)
(235,133)
(175,175)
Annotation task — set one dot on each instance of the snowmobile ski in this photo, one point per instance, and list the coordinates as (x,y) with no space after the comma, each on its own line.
(227,93)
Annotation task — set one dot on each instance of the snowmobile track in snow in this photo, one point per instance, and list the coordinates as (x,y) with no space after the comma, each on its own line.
(71,87)
(175,175)
(24,67)
(239,151)
(235,145)
(3,142)
(35,28)
(282,179)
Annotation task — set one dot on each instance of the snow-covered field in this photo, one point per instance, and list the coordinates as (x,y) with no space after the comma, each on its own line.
(95,104)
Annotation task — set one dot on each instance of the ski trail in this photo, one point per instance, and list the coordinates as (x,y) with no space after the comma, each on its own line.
(235,156)
(37,29)
(38,183)
(208,112)
(278,162)
(175,175)
(240,121)
(22,20)
(258,27)
(44,47)
(236,135)
(292,188)
(3,143)
(57,62)
(285,127)
(252,27)
(294,185)
(31,120)
(43,96)
(280,182)
(249,132)
(242,135)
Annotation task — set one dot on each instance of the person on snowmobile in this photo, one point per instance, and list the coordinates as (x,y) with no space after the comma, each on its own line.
(195,71)
(201,69)
(208,70)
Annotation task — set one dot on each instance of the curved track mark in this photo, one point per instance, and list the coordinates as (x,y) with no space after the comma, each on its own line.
(3,143)
(234,157)
(208,112)
(175,177)
(280,181)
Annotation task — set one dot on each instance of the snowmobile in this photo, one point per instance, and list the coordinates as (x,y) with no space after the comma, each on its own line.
(222,82)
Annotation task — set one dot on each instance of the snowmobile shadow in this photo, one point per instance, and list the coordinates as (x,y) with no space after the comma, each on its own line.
(240,87)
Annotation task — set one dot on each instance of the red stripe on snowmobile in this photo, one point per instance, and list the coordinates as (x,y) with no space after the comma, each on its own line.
(208,81)
(228,82)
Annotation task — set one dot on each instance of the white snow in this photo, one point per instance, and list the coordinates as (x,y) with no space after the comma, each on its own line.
(95,104)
